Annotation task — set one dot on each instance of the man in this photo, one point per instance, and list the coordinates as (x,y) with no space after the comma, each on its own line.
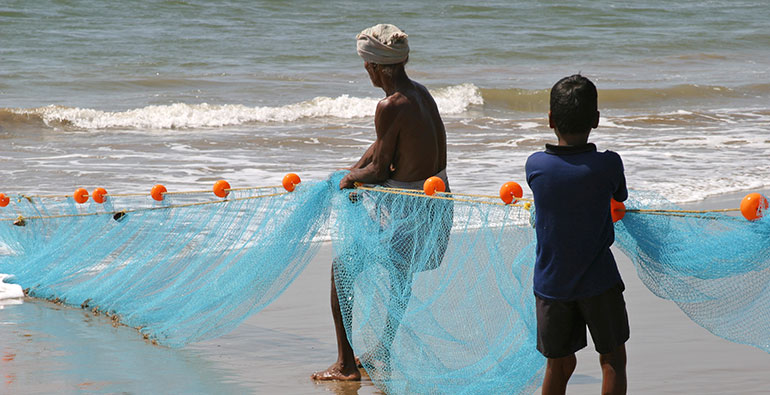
(409,148)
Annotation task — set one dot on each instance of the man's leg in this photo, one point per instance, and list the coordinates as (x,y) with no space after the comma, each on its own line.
(557,374)
(614,371)
(345,368)
(378,357)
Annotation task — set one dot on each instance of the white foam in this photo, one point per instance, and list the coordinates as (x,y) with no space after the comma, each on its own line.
(456,99)
(530,125)
(450,100)
(9,291)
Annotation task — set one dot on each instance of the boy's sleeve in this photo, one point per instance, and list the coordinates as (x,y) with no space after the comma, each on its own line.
(529,168)
(621,192)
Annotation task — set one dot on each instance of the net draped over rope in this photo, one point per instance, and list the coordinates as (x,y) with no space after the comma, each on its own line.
(179,271)
(715,267)
(436,292)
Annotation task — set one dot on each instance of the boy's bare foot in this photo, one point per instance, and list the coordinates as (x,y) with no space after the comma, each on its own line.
(336,372)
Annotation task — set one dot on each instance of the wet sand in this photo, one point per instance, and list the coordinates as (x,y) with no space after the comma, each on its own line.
(47,348)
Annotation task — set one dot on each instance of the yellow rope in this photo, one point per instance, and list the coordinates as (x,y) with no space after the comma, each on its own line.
(418,194)
(397,191)
(247,188)
(651,211)
(485,196)
(43,196)
(147,194)
(451,193)
(410,192)
(226,190)
(687,214)
(144,208)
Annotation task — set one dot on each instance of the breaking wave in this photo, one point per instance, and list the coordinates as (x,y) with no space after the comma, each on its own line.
(450,100)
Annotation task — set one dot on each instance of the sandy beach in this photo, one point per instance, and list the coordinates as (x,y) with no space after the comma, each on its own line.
(49,348)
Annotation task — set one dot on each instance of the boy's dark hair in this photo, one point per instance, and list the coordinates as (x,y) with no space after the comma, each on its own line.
(574,105)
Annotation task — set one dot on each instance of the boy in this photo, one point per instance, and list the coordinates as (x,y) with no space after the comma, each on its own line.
(576,279)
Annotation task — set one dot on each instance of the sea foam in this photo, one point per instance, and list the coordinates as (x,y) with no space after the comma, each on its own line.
(450,100)
(9,291)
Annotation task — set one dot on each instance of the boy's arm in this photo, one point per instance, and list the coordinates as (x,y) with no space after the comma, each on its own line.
(621,193)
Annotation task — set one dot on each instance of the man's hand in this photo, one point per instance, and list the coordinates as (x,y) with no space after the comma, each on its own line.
(347,182)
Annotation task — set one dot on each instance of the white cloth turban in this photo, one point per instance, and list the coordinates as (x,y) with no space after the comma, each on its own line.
(383,44)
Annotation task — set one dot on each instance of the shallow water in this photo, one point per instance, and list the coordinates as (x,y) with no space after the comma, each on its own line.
(185,93)
(48,348)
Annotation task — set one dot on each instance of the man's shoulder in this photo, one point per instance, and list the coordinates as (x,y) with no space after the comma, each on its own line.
(420,87)
(399,101)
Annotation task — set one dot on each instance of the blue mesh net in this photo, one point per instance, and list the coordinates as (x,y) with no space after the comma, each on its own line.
(436,292)
(181,270)
(715,267)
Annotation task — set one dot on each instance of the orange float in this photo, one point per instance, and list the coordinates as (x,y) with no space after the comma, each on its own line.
(4,200)
(80,195)
(99,195)
(618,210)
(509,191)
(433,185)
(221,188)
(290,181)
(157,192)
(753,206)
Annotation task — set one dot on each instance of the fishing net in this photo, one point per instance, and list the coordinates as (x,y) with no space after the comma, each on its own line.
(436,292)
(715,267)
(180,270)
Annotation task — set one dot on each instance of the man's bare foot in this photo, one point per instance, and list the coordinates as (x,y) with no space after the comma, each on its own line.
(336,372)
(377,361)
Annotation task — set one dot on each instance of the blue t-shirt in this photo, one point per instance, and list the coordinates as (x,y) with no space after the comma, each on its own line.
(572,186)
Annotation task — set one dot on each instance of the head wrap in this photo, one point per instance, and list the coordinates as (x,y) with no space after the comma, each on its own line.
(383,44)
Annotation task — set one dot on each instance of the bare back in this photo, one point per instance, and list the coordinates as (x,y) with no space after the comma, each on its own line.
(411,140)
(420,150)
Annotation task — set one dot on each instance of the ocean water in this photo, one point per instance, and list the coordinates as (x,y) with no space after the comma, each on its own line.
(125,95)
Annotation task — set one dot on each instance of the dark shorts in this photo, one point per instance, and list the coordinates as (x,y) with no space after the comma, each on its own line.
(561,325)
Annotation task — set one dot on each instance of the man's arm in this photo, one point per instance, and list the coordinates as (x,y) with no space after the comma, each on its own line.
(384,148)
(366,158)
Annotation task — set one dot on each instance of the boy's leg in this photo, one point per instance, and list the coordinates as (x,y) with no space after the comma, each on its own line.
(607,320)
(561,331)
(557,374)
(614,371)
